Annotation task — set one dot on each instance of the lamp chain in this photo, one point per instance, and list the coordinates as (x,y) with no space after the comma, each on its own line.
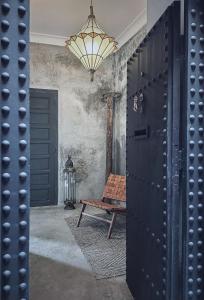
(91,9)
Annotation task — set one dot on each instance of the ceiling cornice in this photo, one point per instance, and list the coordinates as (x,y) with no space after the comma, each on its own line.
(132,28)
(48,39)
(122,38)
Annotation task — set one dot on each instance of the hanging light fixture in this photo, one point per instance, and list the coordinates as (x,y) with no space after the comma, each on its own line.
(91,45)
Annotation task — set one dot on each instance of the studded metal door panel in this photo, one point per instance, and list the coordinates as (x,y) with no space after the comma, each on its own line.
(152,168)
(193,250)
(14,17)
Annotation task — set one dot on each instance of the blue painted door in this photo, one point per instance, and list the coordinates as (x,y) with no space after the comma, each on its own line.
(43,147)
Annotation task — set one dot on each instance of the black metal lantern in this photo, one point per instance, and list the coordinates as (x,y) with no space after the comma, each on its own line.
(69,184)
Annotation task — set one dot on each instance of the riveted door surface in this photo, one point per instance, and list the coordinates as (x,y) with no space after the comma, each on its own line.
(193,212)
(15,150)
(44,145)
(152,162)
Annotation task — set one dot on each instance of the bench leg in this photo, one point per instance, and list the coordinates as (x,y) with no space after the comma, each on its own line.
(111,225)
(81,214)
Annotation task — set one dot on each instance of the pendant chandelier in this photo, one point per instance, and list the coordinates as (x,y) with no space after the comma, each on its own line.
(91,45)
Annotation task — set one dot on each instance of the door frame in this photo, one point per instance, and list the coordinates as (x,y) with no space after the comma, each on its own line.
(53,94)
(15,149)
(193,141)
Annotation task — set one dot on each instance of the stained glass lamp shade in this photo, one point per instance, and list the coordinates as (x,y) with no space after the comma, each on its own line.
(91,45)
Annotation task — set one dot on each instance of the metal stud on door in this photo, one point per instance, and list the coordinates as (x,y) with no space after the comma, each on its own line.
(14,18)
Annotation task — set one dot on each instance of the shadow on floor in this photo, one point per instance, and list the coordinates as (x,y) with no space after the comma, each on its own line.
(57,281)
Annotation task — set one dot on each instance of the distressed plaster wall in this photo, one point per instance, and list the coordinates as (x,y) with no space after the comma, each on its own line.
(120,85)
(82,114)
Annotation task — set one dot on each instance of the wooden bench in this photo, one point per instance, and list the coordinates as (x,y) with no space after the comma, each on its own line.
(115,190)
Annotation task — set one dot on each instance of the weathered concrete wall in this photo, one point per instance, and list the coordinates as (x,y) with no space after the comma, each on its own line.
(120,83)
(82,115)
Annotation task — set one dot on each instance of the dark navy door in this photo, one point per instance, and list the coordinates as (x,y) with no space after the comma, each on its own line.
(153,149)
(44,145)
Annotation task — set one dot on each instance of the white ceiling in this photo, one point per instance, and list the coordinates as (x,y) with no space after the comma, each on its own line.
(52,21)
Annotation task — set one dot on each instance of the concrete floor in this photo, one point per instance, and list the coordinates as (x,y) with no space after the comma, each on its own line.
(59,270)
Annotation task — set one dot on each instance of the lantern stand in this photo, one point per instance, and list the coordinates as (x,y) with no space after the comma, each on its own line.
(69,184)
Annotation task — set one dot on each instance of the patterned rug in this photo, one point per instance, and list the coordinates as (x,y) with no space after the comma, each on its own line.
(106,257)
